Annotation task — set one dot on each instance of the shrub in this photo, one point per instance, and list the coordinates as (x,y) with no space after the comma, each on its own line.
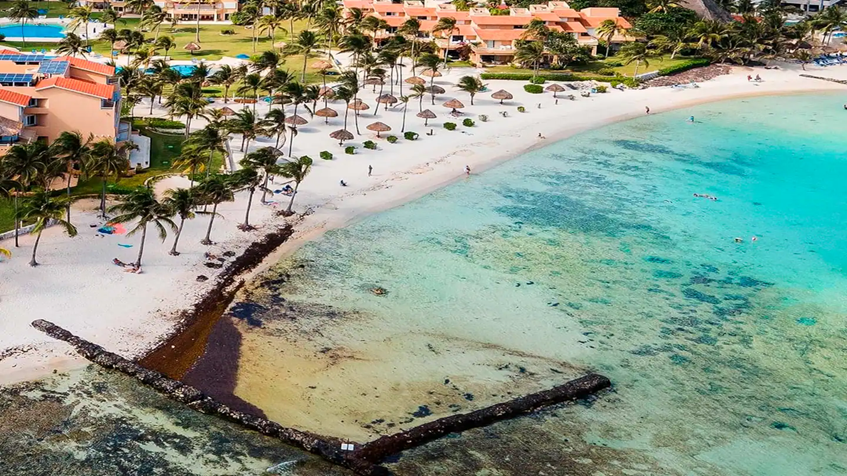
(684,66)
(306,157)
(483,118)
(369,144)
(409,135)
(450,126)
(228,31)
(614,64)
(521,109)
(537,80)
(159,123)
(600,89)
(350,149)
(548,77)
(468,122)
(628,82)
(391,139)
(606,71)
(326,155)
(533,88)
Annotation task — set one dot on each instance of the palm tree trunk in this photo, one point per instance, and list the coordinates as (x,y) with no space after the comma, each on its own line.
(305,60)
(291,202)
(35,248)
(405,106)
(23,35)
(197,34)
(247,214)
(187,126)
(431,91)
(413,56)
(103,197)
(356,116)
(293,132)
(17,220)
(68,190)
(173,251)
(207,240)
(400,80)
(265,188)
(226,93)
(635,73)
(381,88)
(420,103)
(141,248)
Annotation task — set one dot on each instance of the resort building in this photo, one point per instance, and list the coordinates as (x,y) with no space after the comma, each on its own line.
(43,96)
(187,10)
(491,37)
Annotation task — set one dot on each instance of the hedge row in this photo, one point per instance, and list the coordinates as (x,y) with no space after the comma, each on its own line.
(684,66)
(547,77)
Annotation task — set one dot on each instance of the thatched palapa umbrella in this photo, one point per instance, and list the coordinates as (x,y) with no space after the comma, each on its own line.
(428,72)
(326,112)
(426,114)
(358,105)
(379,127)
(436,90)
(386,99)
(227,111)
(280,44)
(326,92)
(454,104)
(416,80)
(555,88)
(321,65)
(295,120)
(502,95)
(342,135)
(192,47)
(119,45)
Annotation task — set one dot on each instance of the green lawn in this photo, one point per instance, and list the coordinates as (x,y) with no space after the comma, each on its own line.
(54,9)
(595,67)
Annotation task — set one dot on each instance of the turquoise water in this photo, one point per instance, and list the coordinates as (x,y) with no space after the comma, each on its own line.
(32,31)
(727,357)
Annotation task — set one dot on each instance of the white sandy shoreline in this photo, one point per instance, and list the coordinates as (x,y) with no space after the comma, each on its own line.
(79,289)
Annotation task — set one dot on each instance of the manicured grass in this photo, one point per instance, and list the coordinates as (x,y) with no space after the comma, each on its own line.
(595,66)
(54,9)
(7,215)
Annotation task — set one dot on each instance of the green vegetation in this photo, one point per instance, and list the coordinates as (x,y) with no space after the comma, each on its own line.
(350,149)
(521,109)
(683,66)
(468,122)
(391,139)
(450,126)
(533,88)
(326,155)
(409,135)
(601,89)
(369,144)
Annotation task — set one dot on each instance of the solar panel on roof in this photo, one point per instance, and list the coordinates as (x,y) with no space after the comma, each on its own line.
(15,78)
(24,58)
(54,67)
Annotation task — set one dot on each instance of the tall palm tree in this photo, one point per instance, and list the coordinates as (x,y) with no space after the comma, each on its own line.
(673,41)
(266,61)
(306,43)
(191,161)
(608,29)
(419,91)
(210,139)
(81,16)
(22,11)
(470,85)
(356,44)
(44,209)
(181,202)
(330,21)
(110,36)
(187,100)
(405,101)
(411,28)
(531,52)
(152,20)
(635,51)
(165,43)
(142,207)
(346,94)
(708,33)
(199,7)
(214,190)
(296,170)
(71,45)
(110,16)
(225,76)
(374,25)
(291,11)
(431,62)
(246,123)
(296,94)
(661,6)
(24,163)
(251,84)
(264,159)
(246,179)
(74,149)
(104,160)
(151,87)
(274,124)
(446,26)
(270,24)
(138,6)
(351,83)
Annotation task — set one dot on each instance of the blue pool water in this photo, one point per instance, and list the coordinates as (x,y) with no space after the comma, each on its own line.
(32,31)
(592,253)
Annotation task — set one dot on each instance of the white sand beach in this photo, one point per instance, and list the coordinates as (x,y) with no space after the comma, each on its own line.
(79,288)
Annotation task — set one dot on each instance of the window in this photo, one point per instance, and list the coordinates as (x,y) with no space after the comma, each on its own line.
(33,102)
(111,80)
(106,104)
(29,120)
(421,17)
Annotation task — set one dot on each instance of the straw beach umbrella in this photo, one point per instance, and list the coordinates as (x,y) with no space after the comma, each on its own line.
(295,120)
(326,92)
(192,47)
(426,115)
(342,135)
(502,95)
(379,127)
(374,82)
(280,45)
(416,80)
(454,104)
(227,111)
(358,105)
(386,99)
(326,112)
(428,72)
(321,65)
(555,88)
(119,45)
(435,90)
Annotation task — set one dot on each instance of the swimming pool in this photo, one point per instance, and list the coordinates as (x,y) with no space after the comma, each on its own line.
(16,31)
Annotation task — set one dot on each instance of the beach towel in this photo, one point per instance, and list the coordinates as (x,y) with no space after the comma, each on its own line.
(106,230)
(124,246)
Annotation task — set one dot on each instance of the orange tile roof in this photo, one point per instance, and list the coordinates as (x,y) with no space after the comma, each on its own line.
(357,4)
(394,21)
(9,52)
(566,12)
(102,91)
(456,15)
(13,97)
(594,22)
(572,26)
(88,65)
(427,25)
(546,16)
(493,34)
(419,12)
(466,30)
(388,7)
(504,20)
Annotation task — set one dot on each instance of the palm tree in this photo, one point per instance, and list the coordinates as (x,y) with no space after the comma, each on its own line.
(312,93)
(214,190)
(307,42)
(708,33)
(165,43)
(141,206)
(246,179)
(412,29)
(674,40)
(291,11)
(635,51)
(246,123)
(264,159)
(661,6)
(199,6)
(266,61)
(74,149)
(357,44)
(446,26)
(110,15)
(152,19)
(187,100)
(270,24)
(128,78)
(531,52)
(191,161)
(351,84)
(151,86)
(21,11)
(346,94)
(251,83)
(405,101)
(181,202)
(44,209)
(274,124)
(275,80)
(330,21)
(431,62)
(296,170)
(296,94)
(110,36)
(6,187)
(608,29)
(470,85)
(24,163)
(71,45)
(804,57)
(210,139)
(418,91)
(225,76)
(81,16)
(374,25)
(106,159)
(138,6)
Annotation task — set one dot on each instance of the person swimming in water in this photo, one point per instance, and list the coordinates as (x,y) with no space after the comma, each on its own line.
(343,183)
(690,118)
(738,240)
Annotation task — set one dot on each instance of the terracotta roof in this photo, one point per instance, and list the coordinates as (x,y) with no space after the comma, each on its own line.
(88,65)
(466,30)
(394,21)
(546,16)
(503,20)
(357,4)
(594,22)
(566,12)
(456,15)
(388,7)
(493,34)
(102,91)
(427,25)
(572,26)
(13,97)
(9,52)
(418,11)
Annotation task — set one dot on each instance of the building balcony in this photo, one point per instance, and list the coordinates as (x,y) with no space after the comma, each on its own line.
(36,110)
(123,132)
(442,43)
(497,50)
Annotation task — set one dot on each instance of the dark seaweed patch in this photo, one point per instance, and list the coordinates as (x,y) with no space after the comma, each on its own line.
(700,296)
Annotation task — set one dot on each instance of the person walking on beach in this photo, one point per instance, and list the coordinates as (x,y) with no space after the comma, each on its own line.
(370,170)
(647,109)
(467,170)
